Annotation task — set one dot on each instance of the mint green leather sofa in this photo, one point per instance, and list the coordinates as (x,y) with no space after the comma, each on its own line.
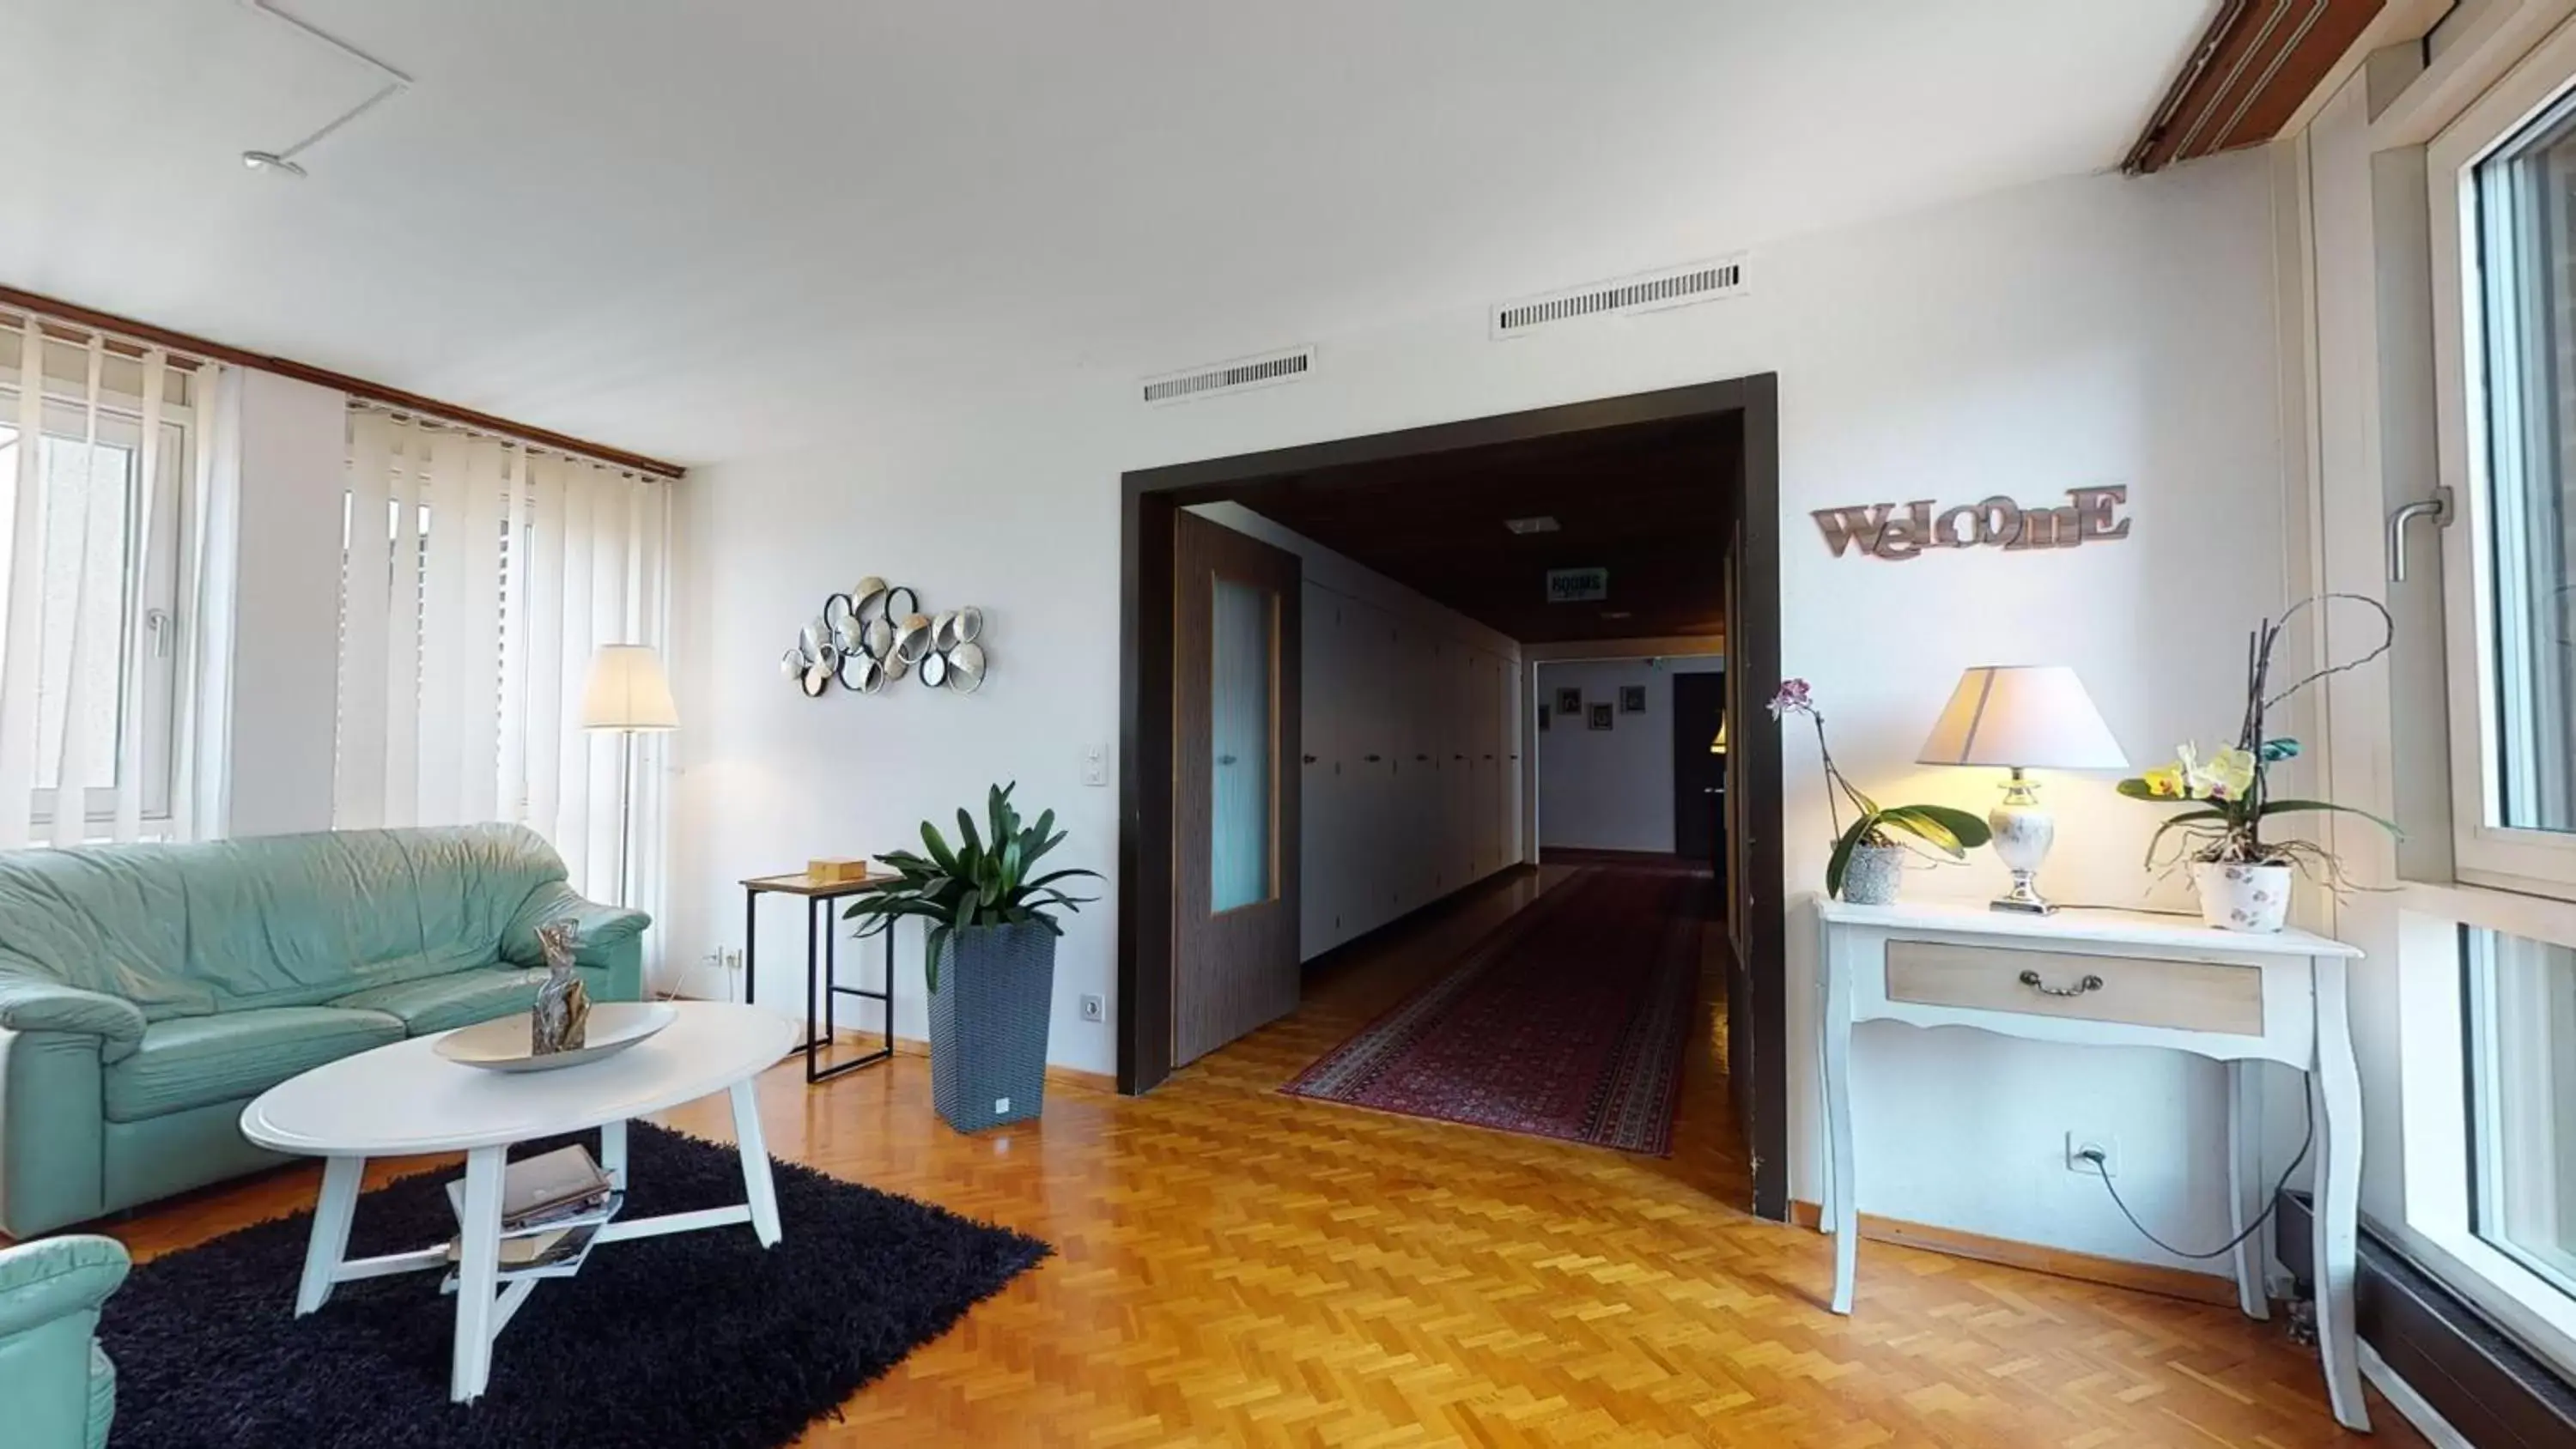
(56,1386)
(149,992)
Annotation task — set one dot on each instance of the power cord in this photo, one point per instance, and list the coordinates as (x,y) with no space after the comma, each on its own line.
(2307,1139)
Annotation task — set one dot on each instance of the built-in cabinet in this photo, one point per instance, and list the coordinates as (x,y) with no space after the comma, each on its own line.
(1411,773)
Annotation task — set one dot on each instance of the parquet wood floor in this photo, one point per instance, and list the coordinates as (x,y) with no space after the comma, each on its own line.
(1240,1267)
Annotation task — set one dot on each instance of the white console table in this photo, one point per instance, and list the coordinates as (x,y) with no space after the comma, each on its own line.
(2116,978)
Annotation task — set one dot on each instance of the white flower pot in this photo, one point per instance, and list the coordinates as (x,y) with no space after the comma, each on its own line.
(1873,874)
(2242,897)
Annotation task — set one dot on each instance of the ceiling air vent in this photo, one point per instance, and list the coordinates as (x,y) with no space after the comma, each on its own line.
(1650,292)
(1224,378)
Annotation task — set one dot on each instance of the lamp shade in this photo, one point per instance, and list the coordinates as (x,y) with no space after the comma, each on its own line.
(2022,715)
(627,691)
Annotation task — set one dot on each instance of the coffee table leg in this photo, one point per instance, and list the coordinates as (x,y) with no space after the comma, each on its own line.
(478,1277)
(330,1241)
(756,1187)
(612,1152)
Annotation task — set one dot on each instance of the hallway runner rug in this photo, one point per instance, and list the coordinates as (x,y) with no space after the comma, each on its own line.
(1568,1021)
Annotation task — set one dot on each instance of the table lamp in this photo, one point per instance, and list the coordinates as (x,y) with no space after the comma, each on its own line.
(627,693)
(2018,717)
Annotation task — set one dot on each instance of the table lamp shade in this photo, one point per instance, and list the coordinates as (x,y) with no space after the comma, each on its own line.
(627,691)
(2022,716)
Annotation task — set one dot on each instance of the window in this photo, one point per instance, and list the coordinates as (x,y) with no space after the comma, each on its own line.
(106,559)
(2521,1054)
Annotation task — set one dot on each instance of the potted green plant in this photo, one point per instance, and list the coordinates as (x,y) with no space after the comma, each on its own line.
(2244,879)
(1869,859)
(989,956)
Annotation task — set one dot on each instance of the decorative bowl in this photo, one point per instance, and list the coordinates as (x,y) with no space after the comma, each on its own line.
(501,1044)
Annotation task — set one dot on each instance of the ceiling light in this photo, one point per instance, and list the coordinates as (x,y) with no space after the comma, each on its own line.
(1540,524)
(270,161)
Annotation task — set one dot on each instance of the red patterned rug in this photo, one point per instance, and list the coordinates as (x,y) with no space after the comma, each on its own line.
(1567,1021)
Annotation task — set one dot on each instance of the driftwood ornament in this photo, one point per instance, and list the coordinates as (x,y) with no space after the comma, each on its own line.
(561,1021)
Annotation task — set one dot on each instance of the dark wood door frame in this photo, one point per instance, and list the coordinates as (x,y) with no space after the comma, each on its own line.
(1151,499)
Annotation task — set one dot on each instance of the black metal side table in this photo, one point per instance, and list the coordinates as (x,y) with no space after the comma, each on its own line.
(822,978)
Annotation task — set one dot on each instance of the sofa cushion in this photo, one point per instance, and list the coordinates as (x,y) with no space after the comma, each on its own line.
(460,998)
(191,1061)
(286,920)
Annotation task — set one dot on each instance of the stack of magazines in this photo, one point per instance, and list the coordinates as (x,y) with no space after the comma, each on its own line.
(552,1205)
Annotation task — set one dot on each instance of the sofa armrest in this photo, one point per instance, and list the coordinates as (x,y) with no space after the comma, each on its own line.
(55,1278)
(604,929)
(33,1003)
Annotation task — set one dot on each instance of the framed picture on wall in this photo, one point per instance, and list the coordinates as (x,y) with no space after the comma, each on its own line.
(1542,716)
(1569,702)
(1602,718)
(1632,699)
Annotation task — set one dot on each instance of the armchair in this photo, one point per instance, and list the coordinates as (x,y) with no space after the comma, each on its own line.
(58,1385)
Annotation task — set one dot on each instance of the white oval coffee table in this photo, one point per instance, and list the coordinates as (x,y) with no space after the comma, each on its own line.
(405,1099)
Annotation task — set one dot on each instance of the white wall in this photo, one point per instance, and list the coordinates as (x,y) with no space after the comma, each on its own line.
(2085,331)
(287,477)
(1610,789)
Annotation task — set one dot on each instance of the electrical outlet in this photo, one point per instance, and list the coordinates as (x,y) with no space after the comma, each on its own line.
(1001,1104)
(1091,1008)
(729,959)
(2078,1155)
(1095,764)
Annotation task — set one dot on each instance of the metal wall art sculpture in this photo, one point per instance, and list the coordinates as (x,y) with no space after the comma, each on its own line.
(1880,530)
(876,634)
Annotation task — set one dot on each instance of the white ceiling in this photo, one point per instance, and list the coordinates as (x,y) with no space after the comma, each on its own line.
(669,225)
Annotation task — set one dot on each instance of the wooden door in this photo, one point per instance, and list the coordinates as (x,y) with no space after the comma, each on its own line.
(1371,902)
(1489,765)
(1321,704)
(1236,648)
(1699,771)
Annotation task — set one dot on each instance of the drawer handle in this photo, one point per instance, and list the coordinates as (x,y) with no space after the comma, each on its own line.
(2089,983)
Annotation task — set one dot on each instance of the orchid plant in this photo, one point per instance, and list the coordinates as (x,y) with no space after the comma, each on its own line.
(1952,832)
(2230,790)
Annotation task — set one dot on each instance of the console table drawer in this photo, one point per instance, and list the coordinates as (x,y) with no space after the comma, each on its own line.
(2182,995)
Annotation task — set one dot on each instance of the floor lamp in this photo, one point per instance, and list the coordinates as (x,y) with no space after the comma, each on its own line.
(627,693)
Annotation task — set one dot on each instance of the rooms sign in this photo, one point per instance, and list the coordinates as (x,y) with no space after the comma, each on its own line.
(1882,531)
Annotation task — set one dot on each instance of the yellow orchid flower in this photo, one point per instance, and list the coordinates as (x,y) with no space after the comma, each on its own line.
(2226,775)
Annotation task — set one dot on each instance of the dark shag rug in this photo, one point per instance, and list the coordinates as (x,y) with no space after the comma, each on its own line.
(697,1339)
(1569,1020)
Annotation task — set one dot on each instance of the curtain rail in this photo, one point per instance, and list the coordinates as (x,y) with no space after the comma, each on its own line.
(443,423)
(130,348)
(50,311)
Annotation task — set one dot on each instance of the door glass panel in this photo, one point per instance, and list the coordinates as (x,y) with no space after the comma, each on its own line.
(1240,680)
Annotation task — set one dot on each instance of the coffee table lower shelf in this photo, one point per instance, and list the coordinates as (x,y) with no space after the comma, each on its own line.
(487,1294)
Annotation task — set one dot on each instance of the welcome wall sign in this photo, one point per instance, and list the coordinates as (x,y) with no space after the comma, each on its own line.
(2091,515)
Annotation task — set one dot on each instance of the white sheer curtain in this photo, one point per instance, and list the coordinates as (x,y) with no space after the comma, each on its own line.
(481,575)
(100,459)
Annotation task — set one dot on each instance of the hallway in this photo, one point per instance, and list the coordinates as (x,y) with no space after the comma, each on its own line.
(1238,1266)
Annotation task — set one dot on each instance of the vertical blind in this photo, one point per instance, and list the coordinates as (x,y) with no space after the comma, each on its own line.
(99,454)
(479,576)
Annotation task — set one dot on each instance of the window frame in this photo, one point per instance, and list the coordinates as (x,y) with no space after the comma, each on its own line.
(2516,882)
(163,585)
(2484,851)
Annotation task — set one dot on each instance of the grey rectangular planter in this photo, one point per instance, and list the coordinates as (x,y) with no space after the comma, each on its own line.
(988,1025)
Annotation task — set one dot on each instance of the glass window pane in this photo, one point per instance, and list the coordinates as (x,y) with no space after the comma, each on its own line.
(1240,679)
(2527,252)
(2522,1038)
